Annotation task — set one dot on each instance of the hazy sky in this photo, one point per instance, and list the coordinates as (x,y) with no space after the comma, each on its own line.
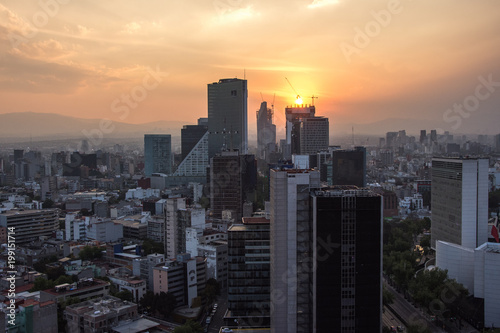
(143,61)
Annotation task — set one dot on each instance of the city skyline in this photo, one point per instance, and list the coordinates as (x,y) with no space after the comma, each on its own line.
(381,60)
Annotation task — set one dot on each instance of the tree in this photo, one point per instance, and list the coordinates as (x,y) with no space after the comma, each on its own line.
(190,326)
(90,252)
(387,296)
(125,295)
(42,284)
(149,246)
(47,204)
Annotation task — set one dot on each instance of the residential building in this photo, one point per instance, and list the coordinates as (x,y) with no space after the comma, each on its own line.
(184,277)
(227,116)
(30,225)
(32,316)
(83,289)
(290,249)
(143,267)
(98,315)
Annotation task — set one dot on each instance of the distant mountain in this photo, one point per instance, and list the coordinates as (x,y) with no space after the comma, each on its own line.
(412,126)
(24,125)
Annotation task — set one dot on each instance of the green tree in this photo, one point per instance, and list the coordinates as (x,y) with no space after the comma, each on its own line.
(90,252)
(387,296)
(47,204)
(149,246)
(125,295)
(42,284)
(190,326)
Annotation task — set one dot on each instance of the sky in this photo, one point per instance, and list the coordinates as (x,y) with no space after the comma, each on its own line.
(366,61)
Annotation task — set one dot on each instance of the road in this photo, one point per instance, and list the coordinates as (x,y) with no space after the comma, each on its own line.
(218,318)
(389,319)
(409,313)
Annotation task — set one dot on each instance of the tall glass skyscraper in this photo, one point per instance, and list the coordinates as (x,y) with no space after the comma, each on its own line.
(227,116)
(157,154)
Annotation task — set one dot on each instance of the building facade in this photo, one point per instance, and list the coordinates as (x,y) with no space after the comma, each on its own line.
(157,154)
(227,116)
(459,201)
(30,225)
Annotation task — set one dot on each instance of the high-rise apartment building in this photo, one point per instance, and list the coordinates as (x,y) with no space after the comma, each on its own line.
(266,132)
(227,116)
(460,201)
(347,243)
(157,154)
(291,250)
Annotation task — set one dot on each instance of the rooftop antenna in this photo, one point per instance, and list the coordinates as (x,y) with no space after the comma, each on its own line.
(353,136)
(312,99)
(262,97)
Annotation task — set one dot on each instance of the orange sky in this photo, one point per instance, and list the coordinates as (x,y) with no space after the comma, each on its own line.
(366,60)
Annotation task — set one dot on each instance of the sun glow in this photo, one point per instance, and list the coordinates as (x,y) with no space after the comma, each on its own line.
(298,100)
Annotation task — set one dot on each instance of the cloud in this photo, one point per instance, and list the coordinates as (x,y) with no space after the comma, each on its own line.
(322,3)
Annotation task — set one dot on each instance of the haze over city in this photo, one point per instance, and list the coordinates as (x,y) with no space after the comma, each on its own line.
(367,62)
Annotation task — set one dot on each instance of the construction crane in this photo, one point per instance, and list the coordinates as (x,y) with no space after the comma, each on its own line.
(298,98)
(312,99)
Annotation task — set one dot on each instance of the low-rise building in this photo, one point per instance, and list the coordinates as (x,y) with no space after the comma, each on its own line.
(98,315)
(83,289)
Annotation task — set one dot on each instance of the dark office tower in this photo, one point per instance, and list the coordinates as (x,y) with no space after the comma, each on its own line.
(190,136)
(248,260)
(497,143)
(227,116)
(294,116)
(18,155)
(390,139)
(291,250)
(314,135)
(157,154)
(347,229)
(266,132)
(349,167)
(232,181)
(423,136)
(387,157)
(434,137)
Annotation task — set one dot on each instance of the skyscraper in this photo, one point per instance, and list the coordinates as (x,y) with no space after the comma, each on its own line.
(227,116)
(266,132)
(157,154)
(347,281)
(497,143)
(294,115)
(314,135)
(248,260)
(190,136)
(348,167)
(423,136)
(233,179)
(459,201)
(291,250)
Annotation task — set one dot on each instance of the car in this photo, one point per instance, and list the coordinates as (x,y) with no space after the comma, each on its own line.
(400,328)
(215,306)
(227,330)
(208,320)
